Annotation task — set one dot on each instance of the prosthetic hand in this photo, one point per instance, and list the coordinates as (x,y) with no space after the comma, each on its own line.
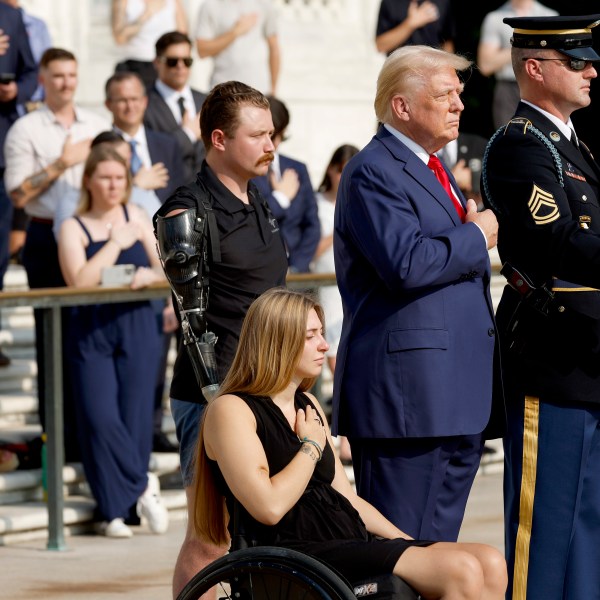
(182,248)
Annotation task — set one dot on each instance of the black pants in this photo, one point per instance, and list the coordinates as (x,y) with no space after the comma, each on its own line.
(40,259)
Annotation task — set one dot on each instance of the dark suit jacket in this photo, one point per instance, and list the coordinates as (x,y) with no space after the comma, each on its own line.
(19,62)
(164,148)
(160,118)
(471,148)
(415,355)
(299,224)
(547,198)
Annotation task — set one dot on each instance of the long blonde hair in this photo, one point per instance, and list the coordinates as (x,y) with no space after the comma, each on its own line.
(270,347)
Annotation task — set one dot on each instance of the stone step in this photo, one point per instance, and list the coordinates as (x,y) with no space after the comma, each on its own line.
(20,317)
(29,520)
(16,431)
(21,484)
(17,404)
(161,463)
(17,338)
(19,376)
(15,278)
(23,512)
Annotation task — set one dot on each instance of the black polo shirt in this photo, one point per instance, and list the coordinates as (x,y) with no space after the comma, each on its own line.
(253,260)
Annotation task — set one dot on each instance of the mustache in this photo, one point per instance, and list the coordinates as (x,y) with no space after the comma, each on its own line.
(266,158)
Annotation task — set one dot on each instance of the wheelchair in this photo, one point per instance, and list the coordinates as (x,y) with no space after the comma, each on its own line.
(252,571)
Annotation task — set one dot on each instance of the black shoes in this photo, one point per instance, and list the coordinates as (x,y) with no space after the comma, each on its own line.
(161,443)
(4,360)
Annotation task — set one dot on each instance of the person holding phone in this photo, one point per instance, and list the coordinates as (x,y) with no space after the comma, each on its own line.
(113,348)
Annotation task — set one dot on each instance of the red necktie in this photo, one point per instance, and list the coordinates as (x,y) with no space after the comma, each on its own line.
(438,170)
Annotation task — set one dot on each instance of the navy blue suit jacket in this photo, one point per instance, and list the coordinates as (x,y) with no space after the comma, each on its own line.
(18,61)
(163,148)
(416,351)
(299,224)
(159,117)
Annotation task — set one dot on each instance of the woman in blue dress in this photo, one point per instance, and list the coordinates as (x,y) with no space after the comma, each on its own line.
(114,348)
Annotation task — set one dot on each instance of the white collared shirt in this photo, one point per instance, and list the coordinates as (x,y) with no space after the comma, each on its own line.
(275,168)
(566,128)
(141,144)
(171,97)
(35,141)
(147,199)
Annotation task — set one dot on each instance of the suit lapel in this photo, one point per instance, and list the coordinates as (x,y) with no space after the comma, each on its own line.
(153,149)
(420,172)
(198,100)
(165,111)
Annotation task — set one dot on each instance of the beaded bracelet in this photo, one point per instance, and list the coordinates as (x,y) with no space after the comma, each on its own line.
(306,440)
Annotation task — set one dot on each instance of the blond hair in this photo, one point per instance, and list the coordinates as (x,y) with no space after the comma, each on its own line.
(270,347)
(406,70)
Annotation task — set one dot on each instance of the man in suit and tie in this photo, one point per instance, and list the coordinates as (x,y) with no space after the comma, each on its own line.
(155,155)
(291,197)
(413,380)
(156,169)
(173,106)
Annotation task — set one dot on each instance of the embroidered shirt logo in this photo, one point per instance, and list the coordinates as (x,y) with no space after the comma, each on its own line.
(542,206)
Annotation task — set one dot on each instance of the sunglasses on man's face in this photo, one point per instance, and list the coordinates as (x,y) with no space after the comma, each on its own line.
(575,64)
(172,61)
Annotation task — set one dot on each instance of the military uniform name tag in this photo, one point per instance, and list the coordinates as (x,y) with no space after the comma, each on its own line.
(570,172)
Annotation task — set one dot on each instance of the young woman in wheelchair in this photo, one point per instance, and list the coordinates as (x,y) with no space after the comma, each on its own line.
(264,441)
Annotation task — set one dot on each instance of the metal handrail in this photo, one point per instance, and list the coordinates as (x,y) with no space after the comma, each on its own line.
(50,301)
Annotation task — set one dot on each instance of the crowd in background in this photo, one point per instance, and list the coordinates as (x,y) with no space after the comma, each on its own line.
(155,117)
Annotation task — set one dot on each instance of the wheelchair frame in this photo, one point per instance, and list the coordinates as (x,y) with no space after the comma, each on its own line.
(254,572)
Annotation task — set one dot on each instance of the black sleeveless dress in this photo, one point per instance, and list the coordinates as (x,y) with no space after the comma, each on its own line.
(323,523)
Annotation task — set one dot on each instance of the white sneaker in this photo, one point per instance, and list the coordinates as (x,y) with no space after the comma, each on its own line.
(114,529)
(151,507)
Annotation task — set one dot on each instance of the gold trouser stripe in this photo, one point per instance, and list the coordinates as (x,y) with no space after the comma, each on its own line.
(528,475)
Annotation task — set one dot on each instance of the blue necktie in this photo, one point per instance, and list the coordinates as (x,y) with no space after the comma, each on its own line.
(136,161)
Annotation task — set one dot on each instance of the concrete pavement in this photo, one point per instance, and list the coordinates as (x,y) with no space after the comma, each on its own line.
(97,568)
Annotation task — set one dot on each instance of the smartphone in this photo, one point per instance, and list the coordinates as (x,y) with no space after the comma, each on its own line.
(117,275)
(7,77)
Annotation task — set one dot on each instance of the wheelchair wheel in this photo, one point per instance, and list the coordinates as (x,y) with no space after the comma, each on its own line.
(268,573)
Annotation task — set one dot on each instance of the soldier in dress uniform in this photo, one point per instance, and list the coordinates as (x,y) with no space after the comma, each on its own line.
(544,186)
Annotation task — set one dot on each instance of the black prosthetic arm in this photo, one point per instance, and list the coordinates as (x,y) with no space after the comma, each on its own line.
(183,251)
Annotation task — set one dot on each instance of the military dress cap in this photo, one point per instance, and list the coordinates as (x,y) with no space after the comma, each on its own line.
(571,36)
